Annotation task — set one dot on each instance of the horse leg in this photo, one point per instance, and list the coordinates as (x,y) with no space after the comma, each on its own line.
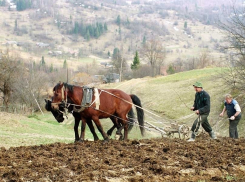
(84,121)
(124,122)
(119,135)
(100,128)
(77,121)
(116,125)
(91,127)
(109,132)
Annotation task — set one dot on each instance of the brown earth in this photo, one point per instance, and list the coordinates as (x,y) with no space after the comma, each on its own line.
(134,160)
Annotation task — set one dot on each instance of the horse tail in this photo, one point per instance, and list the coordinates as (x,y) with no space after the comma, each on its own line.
(131,119)
(140,112)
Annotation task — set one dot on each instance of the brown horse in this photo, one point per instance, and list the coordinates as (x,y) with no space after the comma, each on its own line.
(114,104)
(59,116)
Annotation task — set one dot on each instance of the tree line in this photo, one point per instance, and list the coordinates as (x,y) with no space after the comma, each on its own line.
(89,31)
(23,4)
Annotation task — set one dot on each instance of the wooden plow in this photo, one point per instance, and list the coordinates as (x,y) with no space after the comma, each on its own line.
(181,129)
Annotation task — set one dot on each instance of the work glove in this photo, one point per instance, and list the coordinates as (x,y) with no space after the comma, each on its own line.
(232,118)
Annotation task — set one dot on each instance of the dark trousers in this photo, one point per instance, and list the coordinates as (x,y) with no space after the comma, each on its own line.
(203,121)
(233,127)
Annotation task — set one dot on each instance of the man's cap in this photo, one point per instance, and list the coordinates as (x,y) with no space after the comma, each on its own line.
(198,84)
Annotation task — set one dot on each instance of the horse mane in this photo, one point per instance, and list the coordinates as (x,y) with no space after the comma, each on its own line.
(70,87)
(66,85)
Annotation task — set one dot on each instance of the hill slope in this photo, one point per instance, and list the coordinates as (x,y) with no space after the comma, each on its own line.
(47,28)
(169,98)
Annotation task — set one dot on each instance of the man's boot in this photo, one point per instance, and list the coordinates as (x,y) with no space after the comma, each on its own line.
(192,139)
(212,135)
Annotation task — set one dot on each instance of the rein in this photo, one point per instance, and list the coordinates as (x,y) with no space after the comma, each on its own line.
(197,125)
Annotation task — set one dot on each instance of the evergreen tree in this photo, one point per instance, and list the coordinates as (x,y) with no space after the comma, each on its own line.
(136,62)
(128,23)
(185,25)
(109,54)
(120,32)
(97,33)
(23,4)
(34,65)
(51,69)
(101,28)
(76,28)
(118,21)
(42,61)
(144,40)
(15,25)
(115,53)
(70,19)
(170,70)
(58,23)
(88,35)
(65,64)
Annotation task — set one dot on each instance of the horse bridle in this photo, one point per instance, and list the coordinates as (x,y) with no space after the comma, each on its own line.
(63,104)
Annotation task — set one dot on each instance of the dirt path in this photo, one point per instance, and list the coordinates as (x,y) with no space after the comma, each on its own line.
(144,160)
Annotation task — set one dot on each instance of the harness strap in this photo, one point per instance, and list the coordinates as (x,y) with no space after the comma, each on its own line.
(96,98)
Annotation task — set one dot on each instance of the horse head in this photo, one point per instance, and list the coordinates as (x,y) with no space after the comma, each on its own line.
(56,113)
(59,96)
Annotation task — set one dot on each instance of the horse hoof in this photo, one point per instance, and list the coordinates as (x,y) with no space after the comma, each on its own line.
(106,140)
(118,137)
(78,141)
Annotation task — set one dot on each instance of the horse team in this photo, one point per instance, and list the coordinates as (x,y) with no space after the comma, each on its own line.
(114,104)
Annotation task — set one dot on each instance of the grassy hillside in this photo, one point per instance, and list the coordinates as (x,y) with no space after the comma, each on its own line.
(170,97)
(167,97)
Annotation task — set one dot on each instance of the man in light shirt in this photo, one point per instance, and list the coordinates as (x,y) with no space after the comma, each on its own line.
(234,113)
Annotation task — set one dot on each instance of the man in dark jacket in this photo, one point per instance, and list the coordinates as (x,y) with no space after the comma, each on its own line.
(202,109)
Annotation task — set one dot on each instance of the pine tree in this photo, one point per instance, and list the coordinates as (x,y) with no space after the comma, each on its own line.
(144,40)
(170,70)
(128,23)
(136,62)
(115,53)
(76,28)
(51,69)
(65,64)
(185,25)
(97,33)
(15,25)
(118,21)
(88,35)
(42,61)
(120,32)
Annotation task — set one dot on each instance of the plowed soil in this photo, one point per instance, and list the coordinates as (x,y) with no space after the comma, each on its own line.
(134,160)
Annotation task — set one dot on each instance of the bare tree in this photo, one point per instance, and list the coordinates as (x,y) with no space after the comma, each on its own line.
(154,53)
(204,59)
(234,30)
(118,61)
(9,72)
